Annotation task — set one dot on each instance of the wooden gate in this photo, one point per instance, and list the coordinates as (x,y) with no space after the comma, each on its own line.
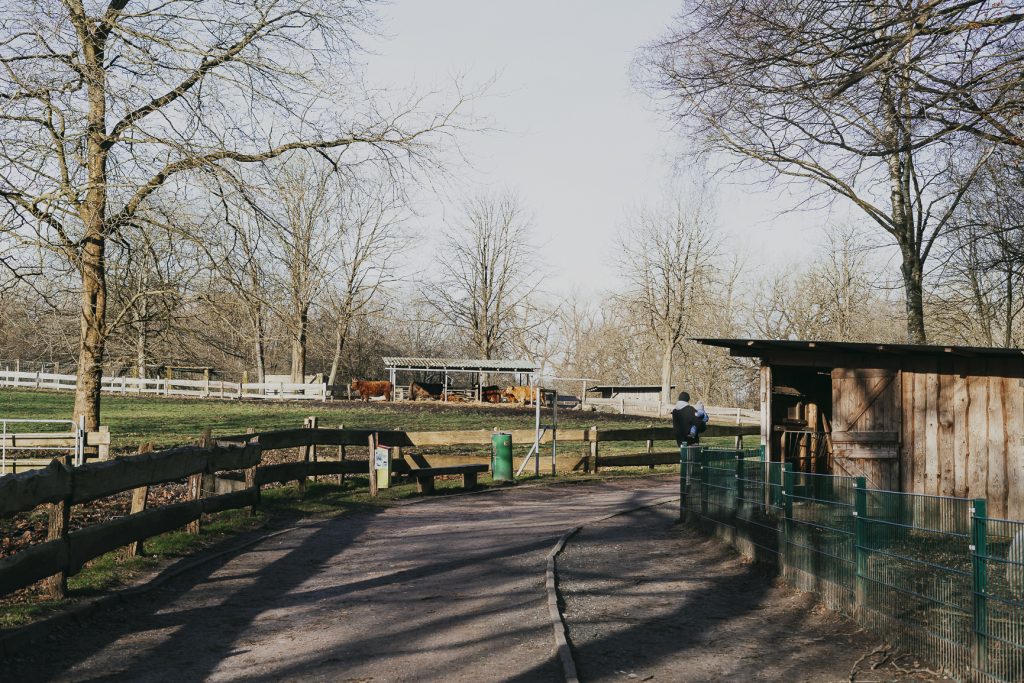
(866,419)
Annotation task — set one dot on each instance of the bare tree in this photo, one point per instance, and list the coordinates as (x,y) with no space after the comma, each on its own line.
(105,106)
(151,274)
(750,80)
(666,263)
(487,274)
(368,239)
(837,297)
(298,215)
(979,299)
(236,253)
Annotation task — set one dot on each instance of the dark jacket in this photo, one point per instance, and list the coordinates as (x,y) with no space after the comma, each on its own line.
(682,421)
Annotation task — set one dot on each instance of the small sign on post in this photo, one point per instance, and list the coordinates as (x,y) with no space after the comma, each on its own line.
(382,463)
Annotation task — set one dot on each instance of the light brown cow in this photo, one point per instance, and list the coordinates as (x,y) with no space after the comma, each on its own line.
(367,389)
(521,395)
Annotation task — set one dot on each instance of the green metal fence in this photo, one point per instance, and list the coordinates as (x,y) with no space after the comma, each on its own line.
(931,574)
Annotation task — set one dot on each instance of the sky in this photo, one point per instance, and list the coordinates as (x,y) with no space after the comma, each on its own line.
(571,133)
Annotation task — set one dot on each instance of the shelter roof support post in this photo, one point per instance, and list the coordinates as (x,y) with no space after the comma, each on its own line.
(536,405)
(554,431)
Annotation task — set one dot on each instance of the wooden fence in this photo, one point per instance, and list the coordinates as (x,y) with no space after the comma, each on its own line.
(60,486)
(194,388)
(299,438)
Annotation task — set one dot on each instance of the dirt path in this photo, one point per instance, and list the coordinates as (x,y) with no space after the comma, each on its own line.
(451,589)
(649,601)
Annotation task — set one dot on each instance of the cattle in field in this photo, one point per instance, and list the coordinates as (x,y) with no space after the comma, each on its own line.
(491,394)
(456,398)
(367,389)
(521,395)
(425,391)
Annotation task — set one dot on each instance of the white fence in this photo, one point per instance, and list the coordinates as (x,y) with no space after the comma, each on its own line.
(195,388)
(11,439)
(719,414)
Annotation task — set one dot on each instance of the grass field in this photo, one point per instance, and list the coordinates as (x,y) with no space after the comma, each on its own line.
(169,421)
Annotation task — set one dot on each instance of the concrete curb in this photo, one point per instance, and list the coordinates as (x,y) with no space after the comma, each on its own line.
(19,638)
(558,626)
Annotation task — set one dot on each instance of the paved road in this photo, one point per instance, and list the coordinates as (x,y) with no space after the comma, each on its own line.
(446,590)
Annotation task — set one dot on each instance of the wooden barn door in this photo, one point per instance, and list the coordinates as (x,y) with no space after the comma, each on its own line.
(866,420)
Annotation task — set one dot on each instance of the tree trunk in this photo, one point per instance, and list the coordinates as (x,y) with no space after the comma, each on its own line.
(913,284)
(299,346)
(666,373)
(340,337)
(92,339)
(92,258)
(140,341)
(259,349)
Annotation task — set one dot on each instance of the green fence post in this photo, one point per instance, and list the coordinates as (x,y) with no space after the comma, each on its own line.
(788,482)
(860,552)
(684,479)
(739,484)
(703,481)
(979,556)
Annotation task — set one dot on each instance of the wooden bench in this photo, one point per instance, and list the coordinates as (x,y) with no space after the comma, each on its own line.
(425,475)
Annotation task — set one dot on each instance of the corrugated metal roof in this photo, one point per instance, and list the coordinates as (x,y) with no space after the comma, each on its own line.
(627,387)
(751,347)
(475,364)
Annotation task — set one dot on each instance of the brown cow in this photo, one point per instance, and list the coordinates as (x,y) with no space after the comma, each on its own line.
(522,395)
(424,391)
(491,394)
(367,389)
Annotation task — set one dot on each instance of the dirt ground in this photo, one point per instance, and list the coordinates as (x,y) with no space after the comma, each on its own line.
(452,589)
(648,600)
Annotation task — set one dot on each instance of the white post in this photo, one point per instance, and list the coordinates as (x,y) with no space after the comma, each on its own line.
(554,430)
(536,445)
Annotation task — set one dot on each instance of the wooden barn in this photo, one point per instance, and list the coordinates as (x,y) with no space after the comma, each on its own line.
(938,420)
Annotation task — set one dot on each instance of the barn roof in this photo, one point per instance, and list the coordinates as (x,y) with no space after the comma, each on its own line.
(459,364)
(758,347)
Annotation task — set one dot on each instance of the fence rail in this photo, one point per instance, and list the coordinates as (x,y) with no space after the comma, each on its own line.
(659,409)
(195,388)
(933,575)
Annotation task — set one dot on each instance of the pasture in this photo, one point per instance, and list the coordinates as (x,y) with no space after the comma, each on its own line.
(169,421)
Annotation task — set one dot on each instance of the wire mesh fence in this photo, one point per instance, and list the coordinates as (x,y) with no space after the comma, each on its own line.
(931,574)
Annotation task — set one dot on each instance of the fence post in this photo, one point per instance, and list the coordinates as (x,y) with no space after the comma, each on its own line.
(740,476)
(684,479)
(594,447)
(341,458)
(373,468)
(860,541)
(979,569)
(703,481)
(140,496)
(195,485)
(308,452)
(250,472)
(57,530)
(788,484)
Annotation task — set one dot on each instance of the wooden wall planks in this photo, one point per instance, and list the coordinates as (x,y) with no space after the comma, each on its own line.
(963,433)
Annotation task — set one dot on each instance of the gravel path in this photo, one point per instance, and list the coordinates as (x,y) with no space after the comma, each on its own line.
(648,601)
(446,590)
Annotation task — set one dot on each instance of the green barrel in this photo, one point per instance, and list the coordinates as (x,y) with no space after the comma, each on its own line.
(501,456)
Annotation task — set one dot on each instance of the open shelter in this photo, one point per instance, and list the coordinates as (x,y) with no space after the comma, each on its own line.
(524,371)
